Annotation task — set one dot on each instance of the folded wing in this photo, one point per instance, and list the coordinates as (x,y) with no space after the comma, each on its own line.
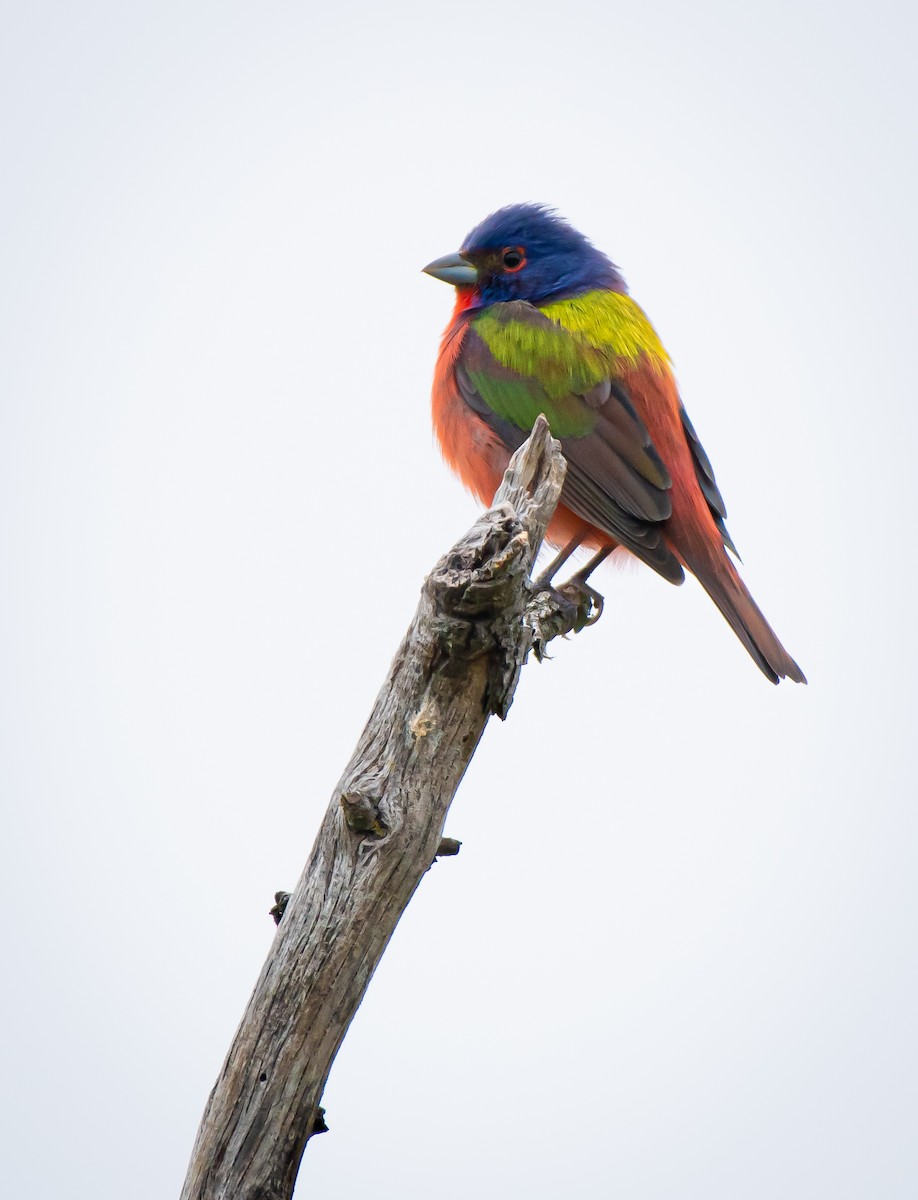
(616,480)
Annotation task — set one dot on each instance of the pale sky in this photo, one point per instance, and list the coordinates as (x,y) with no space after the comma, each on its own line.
(676,956)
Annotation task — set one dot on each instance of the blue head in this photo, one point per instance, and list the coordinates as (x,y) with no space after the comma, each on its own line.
(527,252)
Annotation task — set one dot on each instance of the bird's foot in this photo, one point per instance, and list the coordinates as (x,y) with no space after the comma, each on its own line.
(558,611)
(589,600)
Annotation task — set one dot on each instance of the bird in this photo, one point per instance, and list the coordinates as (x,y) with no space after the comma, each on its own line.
(544,323)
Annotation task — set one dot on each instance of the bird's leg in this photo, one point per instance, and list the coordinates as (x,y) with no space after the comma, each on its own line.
(557,563)
(578,586)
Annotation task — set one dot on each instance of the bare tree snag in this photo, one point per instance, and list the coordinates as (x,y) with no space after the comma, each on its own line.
(458,664)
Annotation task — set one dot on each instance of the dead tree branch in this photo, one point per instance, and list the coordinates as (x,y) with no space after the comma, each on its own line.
(458,664)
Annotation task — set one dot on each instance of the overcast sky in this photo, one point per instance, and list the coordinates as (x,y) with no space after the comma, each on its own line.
(676,956)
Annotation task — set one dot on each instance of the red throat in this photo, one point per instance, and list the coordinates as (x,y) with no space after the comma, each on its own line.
(465,298)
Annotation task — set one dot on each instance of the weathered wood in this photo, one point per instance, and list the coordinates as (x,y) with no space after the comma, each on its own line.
(458,664)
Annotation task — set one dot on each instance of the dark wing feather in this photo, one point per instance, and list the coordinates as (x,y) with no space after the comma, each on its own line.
(704,473)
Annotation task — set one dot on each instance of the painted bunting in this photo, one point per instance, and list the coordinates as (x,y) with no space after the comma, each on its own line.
(544,323)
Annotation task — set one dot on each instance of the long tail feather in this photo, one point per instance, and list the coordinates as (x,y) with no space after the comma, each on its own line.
(721,581)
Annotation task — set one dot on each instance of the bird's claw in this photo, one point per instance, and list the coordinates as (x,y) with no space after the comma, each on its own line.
(559,611)
(588,600)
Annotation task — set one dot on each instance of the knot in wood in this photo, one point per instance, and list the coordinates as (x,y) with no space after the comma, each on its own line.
(281,900)
(362,814)
(484,573)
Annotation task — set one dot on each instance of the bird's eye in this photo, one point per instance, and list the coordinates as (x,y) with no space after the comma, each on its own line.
(513,258)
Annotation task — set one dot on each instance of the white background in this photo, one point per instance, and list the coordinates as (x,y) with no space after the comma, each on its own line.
(676,956)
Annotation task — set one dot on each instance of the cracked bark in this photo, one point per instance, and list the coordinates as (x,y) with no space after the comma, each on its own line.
(458,664)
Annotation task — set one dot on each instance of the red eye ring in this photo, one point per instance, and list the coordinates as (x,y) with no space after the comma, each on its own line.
(513,259)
